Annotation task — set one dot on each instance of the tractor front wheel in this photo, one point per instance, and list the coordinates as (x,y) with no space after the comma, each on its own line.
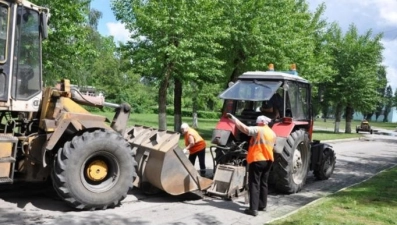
(292,164)
(94,170)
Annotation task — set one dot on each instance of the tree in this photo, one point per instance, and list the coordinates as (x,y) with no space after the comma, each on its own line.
(67,46)
(172,40)
(356,59)
(280,32)
(382,81)
(388,103)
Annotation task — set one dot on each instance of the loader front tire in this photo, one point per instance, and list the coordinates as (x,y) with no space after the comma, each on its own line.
(94,170)
(291,166)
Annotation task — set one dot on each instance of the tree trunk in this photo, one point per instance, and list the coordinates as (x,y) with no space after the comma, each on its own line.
(177,105)
(194,115)
(377,114)
(369,116)
(338,115)
(163,100)
(349,116)
(386,113)
(237,61)
(324,108)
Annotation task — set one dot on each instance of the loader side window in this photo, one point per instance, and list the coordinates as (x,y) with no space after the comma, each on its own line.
(3,31)
(4,19)
(27,55)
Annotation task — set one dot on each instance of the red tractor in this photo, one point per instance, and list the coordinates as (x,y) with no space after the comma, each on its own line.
(284,97)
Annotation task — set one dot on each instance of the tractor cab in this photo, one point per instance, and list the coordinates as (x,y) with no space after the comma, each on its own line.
(284,97)
(23,27)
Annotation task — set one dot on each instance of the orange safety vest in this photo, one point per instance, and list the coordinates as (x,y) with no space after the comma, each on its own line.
(199,143)
(261,146)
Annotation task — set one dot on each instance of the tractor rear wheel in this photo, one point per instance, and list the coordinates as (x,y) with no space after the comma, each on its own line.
(292,164)
(327,165)
(94,170)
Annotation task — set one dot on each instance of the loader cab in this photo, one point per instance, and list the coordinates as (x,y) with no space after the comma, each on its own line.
(23,26)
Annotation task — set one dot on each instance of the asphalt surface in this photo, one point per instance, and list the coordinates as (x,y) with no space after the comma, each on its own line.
(357,160)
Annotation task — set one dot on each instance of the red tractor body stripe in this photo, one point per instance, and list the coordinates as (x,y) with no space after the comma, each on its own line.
(285,129)
(226,124)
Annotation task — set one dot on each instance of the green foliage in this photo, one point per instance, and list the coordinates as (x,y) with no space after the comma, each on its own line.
(172,39)
(395,98)
(388,102)
(68,44)
(356,60)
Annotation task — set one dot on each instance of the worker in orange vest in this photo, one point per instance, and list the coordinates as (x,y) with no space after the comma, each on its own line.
(195,146)
(260,159)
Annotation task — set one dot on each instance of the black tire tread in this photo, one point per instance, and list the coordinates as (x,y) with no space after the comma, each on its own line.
(62,160)
(320,174)
(282,166)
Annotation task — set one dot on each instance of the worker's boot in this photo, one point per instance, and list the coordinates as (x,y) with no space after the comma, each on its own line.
(251,212)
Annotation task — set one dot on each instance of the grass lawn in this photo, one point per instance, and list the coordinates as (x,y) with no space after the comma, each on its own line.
(206,126)
(371,202)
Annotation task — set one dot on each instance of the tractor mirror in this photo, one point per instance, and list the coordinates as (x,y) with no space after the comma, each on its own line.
(44,25)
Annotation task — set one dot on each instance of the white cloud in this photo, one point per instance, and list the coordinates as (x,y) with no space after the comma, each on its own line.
(118,31)
(387,10)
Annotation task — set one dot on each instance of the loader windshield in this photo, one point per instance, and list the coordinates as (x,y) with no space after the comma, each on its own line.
(251,90)
(27,55)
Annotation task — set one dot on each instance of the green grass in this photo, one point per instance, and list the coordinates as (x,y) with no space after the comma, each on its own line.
(371,202)
(206,126)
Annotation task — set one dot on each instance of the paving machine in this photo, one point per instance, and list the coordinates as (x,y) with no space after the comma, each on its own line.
(295,153)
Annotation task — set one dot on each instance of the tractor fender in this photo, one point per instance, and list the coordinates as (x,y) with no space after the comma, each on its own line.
(317,150)
(71,124)
(222,132)
(283,129)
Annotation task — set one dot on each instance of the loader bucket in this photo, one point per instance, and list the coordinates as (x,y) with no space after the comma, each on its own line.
(162,163)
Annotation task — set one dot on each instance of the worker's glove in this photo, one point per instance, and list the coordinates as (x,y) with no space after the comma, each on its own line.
(231,117)
(185,151)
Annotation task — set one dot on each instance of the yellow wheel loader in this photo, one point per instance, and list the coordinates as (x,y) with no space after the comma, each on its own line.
(46,134)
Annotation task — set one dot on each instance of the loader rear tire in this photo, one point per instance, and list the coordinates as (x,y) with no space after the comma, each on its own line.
(291,166)
(94,170)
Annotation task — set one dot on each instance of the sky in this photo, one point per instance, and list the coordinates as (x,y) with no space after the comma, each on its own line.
(377,15)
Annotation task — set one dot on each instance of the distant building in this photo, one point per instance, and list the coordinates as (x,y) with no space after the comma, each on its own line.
(392,117)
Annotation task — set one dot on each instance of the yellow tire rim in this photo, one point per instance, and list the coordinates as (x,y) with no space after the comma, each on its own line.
(97,170)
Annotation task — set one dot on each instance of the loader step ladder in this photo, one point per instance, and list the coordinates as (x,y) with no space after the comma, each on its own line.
(229,181)
(8,146)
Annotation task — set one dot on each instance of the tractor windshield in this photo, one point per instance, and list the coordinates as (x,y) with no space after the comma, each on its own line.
(251,90)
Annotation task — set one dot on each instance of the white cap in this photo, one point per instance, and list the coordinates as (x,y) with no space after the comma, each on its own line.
(263,119)
(184,126)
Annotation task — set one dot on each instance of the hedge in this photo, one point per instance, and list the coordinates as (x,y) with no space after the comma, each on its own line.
(188,113)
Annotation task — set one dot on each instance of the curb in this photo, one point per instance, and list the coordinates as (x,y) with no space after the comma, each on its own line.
(321,198)
(342,140)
